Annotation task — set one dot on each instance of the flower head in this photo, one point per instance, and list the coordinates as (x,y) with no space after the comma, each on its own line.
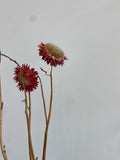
(52,54)
(26,78)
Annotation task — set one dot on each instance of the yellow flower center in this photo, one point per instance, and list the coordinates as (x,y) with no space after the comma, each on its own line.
(54,51)
(22,80)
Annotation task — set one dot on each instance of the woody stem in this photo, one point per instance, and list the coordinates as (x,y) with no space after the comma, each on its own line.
(44,105)
(1,114)
(1,54)
(49,116)
(28,118)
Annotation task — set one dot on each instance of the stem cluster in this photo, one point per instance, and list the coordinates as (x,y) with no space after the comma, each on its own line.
(28,115)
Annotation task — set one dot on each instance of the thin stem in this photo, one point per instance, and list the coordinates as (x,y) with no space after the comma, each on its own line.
(31,153)
(27,118)
(51,97)
(29,109)
(1,114)
(49,116)
(44,71)
(31,146)
(1,54)
(44,105)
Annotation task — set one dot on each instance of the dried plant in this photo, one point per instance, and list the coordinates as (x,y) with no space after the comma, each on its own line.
(27,80)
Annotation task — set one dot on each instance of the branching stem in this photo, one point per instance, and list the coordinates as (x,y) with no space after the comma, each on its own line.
(1,54)
(28,118)
(48,120)
(44,105)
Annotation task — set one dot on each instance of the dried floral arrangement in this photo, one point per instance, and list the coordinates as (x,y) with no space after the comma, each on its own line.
(27,80)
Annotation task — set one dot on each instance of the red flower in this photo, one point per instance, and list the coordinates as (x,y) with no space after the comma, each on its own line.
(52,54)
(26,78)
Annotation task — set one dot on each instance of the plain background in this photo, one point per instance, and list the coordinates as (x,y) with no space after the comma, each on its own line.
(85,123)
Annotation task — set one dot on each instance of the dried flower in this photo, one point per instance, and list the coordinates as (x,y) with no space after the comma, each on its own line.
(52,54)
(26,78)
